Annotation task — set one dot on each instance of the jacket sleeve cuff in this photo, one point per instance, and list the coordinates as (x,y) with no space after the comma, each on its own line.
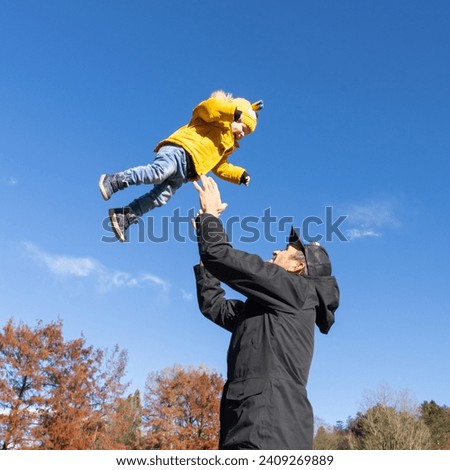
(243,177)
(199,271)
(202,274)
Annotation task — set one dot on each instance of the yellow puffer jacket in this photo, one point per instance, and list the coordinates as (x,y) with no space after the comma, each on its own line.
(208,138)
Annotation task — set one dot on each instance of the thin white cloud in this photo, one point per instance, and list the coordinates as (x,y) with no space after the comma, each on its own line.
(152,279)
(65,265)
(84,267)
(186,295)
(354,233)
(10,180)
(123,279)
(370,219)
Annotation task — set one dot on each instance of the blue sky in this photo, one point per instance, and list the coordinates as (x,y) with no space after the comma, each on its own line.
(356,119)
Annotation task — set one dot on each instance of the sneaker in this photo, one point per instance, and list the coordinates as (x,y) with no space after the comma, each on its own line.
(110,184)
(121,219)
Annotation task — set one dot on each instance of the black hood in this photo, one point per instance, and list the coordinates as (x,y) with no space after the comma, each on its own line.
(319,271)
(327,291)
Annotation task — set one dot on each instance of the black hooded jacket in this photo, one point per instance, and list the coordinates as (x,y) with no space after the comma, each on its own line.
(264,402)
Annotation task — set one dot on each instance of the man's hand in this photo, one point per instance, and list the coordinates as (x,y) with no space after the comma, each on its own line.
(209,196)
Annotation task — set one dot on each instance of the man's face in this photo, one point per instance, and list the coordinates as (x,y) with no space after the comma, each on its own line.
(288,259)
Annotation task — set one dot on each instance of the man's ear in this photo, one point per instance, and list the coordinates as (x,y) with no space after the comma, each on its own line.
(302,267)
(298,267)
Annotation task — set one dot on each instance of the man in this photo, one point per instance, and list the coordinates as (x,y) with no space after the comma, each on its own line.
(264,403)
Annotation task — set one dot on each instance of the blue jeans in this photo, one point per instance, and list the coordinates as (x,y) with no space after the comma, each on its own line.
(167,173)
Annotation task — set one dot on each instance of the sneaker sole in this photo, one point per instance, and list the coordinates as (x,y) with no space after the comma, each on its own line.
(116,227)
(103,191)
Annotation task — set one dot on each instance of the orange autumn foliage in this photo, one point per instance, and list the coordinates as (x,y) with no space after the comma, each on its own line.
(56,394)
(182,409)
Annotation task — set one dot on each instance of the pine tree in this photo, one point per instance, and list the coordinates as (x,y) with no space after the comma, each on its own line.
(437,418)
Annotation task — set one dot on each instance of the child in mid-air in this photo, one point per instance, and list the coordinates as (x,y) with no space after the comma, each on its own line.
(203,145)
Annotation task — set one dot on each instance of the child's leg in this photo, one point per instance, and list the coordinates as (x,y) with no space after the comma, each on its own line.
(122,218)
(164,166)
(157,197)
(169,162)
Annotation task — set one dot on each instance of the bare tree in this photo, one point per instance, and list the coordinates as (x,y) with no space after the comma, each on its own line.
(391,421)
